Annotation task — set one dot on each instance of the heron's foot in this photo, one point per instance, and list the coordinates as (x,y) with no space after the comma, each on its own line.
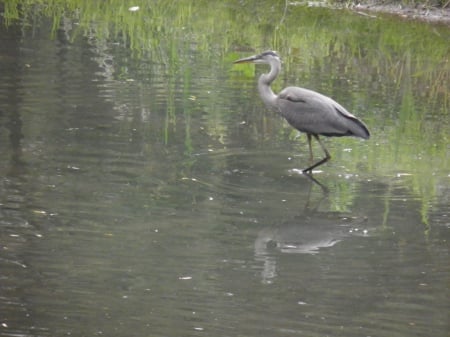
(309,169)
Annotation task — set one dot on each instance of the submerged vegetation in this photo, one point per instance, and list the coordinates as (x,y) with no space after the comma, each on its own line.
(403,74)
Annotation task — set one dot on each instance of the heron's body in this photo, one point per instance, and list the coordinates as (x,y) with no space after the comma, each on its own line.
(306,110)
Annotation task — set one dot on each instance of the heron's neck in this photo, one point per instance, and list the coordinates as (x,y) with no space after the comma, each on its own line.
(265,91)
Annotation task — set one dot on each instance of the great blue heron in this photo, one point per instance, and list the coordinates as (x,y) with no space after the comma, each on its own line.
(306,110)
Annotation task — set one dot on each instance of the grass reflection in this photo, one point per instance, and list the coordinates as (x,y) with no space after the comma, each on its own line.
(397,80)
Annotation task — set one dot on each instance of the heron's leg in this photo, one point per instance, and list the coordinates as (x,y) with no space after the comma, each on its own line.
(327,154)
(320,162)
(310,147)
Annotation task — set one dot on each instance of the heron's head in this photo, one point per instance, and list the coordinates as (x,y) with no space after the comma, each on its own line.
(266,57)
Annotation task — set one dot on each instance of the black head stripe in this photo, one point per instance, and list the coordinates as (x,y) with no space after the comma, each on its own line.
(270,52)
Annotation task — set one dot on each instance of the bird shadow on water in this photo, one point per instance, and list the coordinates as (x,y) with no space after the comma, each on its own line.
(309,232)
(313,180)
(325,189)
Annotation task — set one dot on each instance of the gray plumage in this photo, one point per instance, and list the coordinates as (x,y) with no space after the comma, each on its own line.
(304,109)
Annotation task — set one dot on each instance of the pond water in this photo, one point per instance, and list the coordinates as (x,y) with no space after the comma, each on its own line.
(148,192)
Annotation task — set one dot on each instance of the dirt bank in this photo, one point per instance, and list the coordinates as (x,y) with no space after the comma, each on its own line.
(419,12)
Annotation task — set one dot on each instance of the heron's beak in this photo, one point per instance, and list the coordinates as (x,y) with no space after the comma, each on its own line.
(249,59)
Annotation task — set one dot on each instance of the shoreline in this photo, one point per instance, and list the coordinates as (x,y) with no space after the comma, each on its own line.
(419,13)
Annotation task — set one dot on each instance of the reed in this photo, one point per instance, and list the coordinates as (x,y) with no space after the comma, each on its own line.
(397,80)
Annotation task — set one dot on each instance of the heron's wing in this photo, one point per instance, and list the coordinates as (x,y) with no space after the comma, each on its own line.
(311,112)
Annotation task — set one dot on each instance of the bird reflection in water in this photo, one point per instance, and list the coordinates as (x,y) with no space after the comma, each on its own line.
(307,233)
